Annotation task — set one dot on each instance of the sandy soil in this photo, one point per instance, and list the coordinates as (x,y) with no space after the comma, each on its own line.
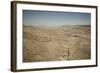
(55,44)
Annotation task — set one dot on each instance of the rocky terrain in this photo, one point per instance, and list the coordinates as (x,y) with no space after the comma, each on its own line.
(57,43)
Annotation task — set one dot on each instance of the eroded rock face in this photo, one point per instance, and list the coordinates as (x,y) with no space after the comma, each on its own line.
(64,43)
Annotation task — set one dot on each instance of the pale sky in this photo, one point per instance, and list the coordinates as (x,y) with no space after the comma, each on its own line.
(55,18)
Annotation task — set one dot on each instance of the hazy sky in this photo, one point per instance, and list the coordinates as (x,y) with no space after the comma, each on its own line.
(55,18)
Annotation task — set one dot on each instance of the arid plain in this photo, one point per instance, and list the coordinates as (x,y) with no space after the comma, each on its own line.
(56,43)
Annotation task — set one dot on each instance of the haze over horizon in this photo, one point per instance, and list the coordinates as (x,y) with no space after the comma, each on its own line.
(55,18)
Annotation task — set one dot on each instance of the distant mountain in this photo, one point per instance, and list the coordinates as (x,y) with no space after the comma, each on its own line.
(75,25)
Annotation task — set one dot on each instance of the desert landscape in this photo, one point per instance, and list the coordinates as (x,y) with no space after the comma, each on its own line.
(67,42)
